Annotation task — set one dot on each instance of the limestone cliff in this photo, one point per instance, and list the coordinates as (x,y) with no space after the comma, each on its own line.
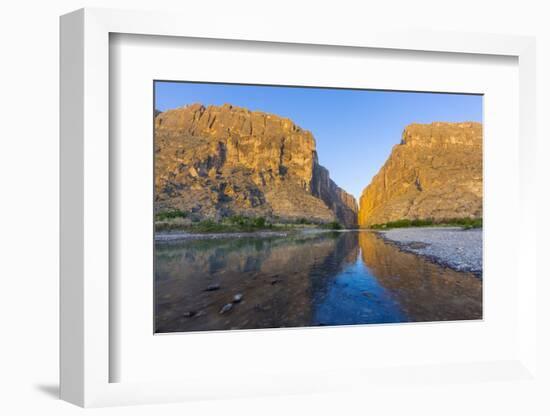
(339,201)
(221,161)
(434,173)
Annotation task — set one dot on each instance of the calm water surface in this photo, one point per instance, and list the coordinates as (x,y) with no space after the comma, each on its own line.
(330,278)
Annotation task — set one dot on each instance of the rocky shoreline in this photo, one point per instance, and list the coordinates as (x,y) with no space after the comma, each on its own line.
(452,247)
(179,236)
(170,236)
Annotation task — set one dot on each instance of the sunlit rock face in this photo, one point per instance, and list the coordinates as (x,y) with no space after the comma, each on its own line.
(219,161)
(435,172)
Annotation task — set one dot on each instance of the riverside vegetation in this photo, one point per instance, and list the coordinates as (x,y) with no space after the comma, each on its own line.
(176,220)
(308,253)
(465,223)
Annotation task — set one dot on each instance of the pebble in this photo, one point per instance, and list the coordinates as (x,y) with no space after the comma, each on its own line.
(238,297)
(226,308)
(189,314)
(461,250)
(214,286)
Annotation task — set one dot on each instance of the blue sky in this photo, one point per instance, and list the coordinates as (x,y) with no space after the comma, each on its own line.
(354,129)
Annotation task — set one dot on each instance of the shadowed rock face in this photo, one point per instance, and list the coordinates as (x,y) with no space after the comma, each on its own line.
(435,172)
(221,161)
(339,201)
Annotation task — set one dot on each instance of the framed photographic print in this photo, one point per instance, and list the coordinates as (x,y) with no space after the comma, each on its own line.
(280,207)
(253,232)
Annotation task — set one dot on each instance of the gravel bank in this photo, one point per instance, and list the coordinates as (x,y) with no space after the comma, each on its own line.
(455,248)
(178,236)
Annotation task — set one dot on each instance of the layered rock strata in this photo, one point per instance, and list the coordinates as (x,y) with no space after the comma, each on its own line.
(220,161)
(435,173)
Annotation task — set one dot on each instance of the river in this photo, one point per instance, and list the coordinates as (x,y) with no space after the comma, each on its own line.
(311,279)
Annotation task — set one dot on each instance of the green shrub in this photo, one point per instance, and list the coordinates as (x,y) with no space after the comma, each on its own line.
(238,220)
(166,215)
(335,225)
(236,223)
(422,223)
(473,223)
(466,223)
(208,226)
(259,222)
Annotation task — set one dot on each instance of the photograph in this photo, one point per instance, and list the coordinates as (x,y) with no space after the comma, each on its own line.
(271,208)
(291,206)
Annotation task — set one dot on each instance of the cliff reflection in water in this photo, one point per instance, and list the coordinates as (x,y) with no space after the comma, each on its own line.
(329,278)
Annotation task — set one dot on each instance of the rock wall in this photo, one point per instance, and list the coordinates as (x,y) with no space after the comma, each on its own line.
(339,201)
(219,161)
(435,172)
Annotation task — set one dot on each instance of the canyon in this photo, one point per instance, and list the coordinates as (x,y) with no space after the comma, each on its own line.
(215,162)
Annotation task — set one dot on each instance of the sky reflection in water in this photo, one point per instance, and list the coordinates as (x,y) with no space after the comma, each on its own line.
(354,296)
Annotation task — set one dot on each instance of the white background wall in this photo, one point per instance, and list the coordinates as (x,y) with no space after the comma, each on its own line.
(29,56)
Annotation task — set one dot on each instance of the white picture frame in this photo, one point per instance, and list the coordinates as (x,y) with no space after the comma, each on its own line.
(85,212)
